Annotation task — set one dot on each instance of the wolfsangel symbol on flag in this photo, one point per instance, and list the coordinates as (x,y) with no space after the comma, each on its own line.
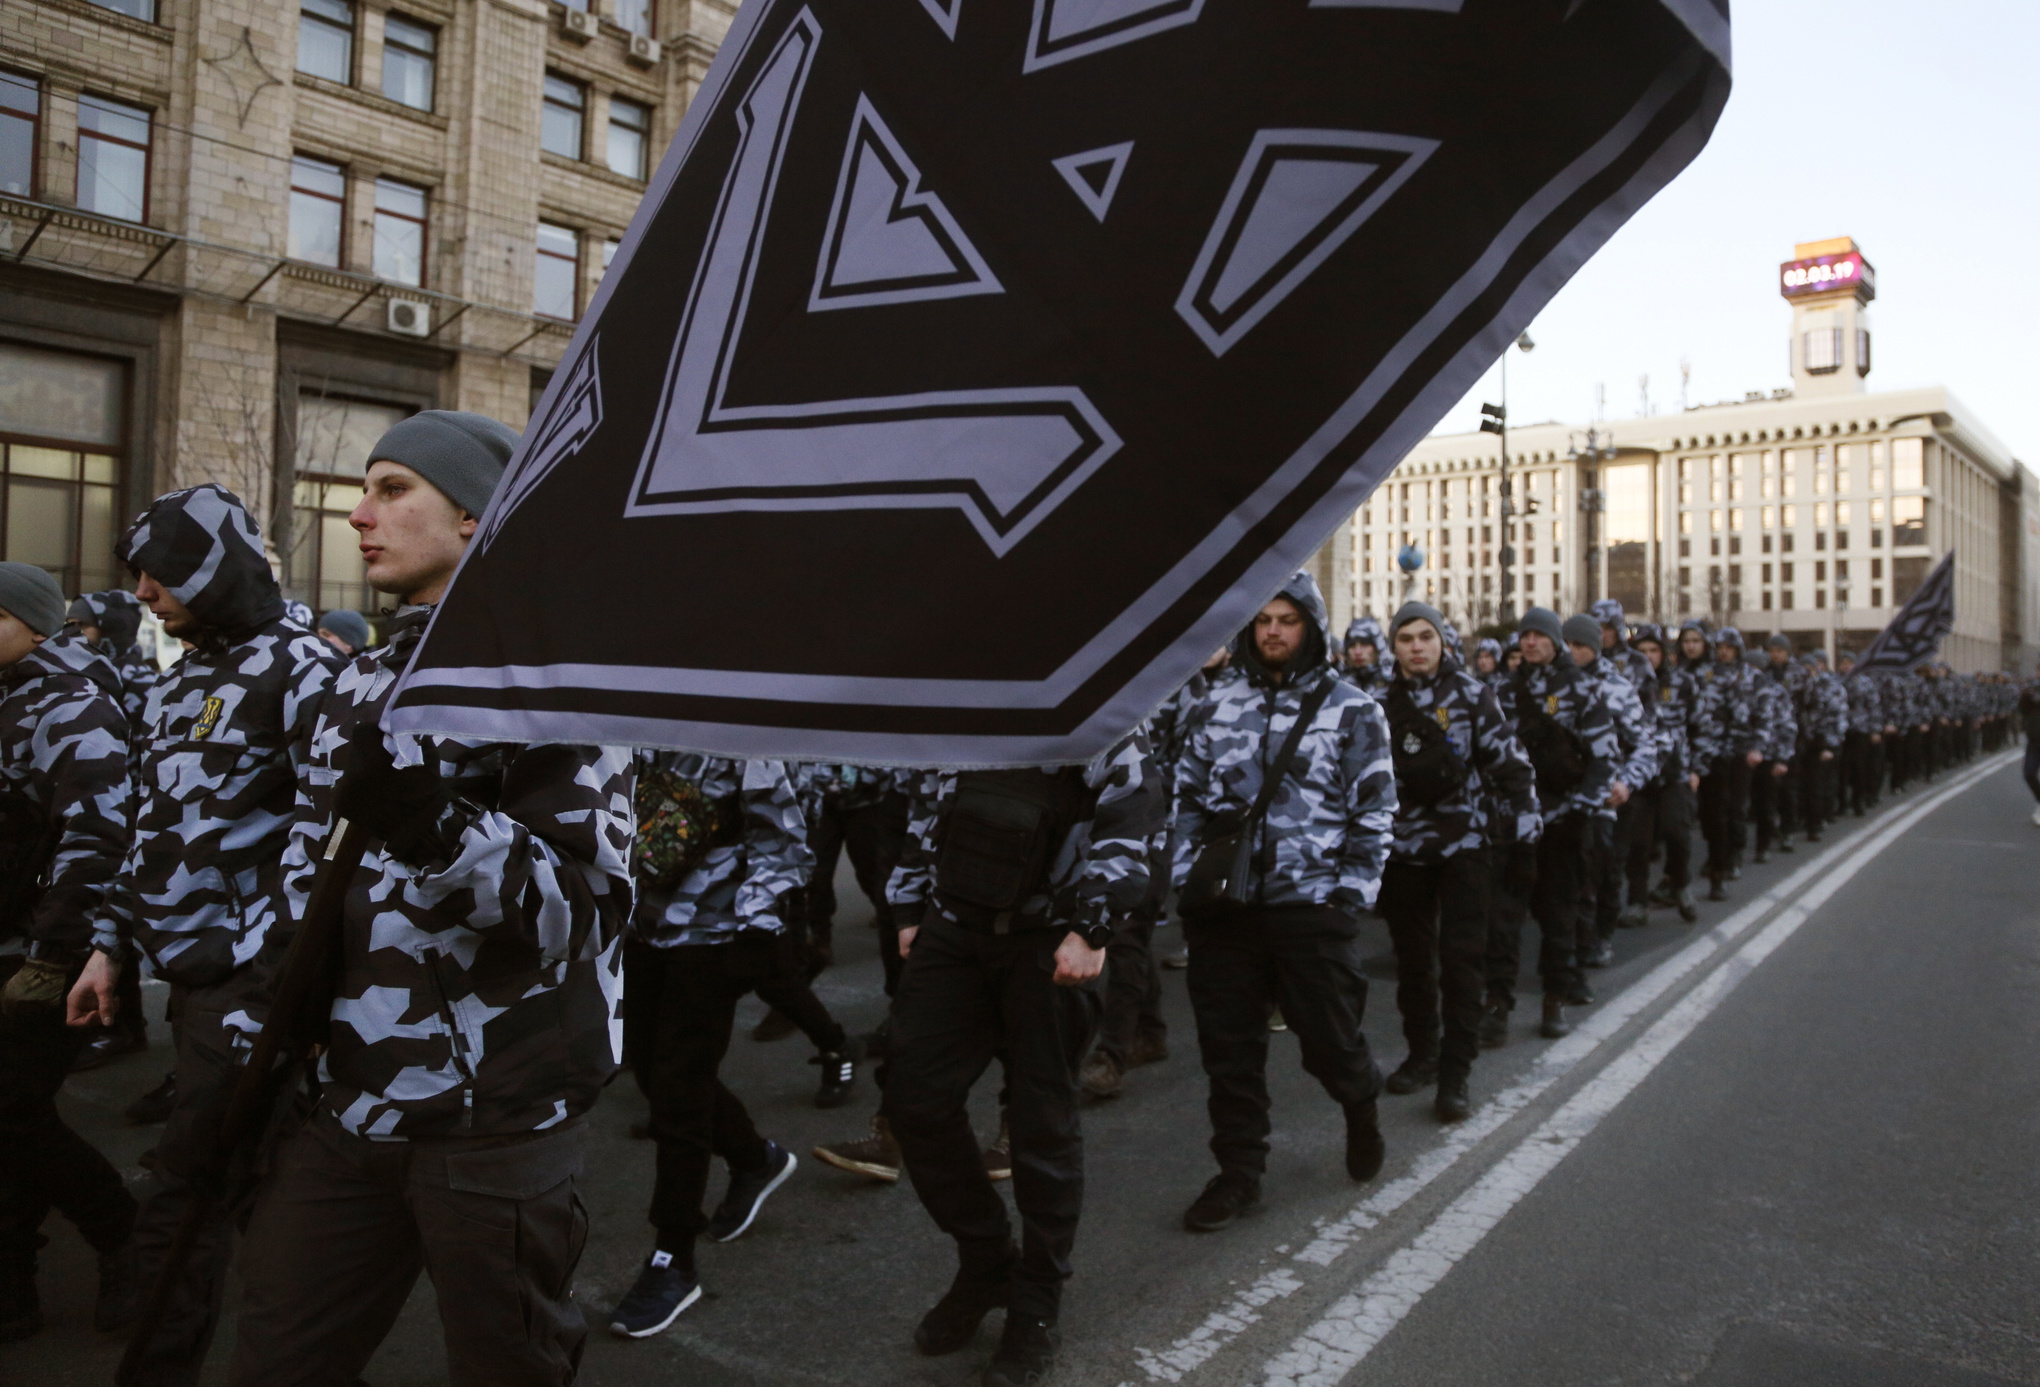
(972,370)
(1915,633)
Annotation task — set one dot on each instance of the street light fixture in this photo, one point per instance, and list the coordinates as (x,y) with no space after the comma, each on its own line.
(1495,420)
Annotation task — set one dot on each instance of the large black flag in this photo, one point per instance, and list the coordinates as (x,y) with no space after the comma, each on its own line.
(973,368)
(1915,633)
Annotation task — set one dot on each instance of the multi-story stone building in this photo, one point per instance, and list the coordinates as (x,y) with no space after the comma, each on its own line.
(237,240)
(1814,510)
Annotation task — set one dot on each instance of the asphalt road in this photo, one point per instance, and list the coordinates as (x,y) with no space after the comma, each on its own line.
(1793,1144)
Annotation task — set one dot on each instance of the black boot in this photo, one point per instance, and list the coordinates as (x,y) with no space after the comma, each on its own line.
(1453,1104)
(1555,1026)
(1365,1150)
(982,1284)
(1413,1074)
(1494,1024)
(1026,1353)
(1688,911)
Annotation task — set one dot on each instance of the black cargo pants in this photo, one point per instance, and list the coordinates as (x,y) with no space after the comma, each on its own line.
(1305,959)
(1437,914)
(964,998)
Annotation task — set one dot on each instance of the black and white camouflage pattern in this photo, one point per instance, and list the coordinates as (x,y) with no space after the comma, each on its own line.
(480,995)
(751,884)
(63,800)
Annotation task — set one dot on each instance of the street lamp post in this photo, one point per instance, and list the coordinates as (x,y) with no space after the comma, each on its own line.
(1593,501)
(1495,420)
(1840,625)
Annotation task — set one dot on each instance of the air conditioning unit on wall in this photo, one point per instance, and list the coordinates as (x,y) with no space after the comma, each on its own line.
(644,50)
(579,25)
(410,317)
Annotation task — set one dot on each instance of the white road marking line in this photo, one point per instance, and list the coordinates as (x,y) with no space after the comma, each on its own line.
(1557,1060)
(1330,1349)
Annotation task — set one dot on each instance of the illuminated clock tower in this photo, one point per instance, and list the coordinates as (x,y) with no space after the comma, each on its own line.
(1829,285)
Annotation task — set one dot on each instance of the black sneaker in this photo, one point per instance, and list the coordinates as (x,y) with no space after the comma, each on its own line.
(1365,1150)
(747,1193)
(975,1292)
(662,1291)
(1026,1353)
(839,1074)
(1413,1074)
(1230,1194)
(155,1105)
(108,1046)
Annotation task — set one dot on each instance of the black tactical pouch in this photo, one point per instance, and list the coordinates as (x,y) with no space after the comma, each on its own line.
(998,833)
(1556,753)
(1427,770)
(1217,880)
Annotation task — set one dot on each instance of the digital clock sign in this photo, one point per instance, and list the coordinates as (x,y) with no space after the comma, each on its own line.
(1824,274)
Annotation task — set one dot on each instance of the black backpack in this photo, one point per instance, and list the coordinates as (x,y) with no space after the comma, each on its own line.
(1427,770)
(998,834)
(1557,754)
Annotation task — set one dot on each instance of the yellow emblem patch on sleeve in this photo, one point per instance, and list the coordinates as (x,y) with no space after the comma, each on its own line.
(208,718)
(1444,716)
(1551,705)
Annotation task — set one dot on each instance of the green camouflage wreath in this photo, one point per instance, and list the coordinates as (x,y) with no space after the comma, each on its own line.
(677,825)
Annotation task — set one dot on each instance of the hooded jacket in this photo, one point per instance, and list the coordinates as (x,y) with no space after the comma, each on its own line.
(1328,830)
(1574,699)
(1098,871)
(118,615)
(480,995)
(1374,677)
(737,886)
(1738,721)
(64,809)
(222,740)
(1498,801)
(1635,729)
(1824,710)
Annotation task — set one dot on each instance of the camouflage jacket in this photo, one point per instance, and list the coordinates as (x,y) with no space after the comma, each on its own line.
(1498,802)
(1685,743)
(215,788)
(480,995)
(1776,714)
(739,885)
(63,800)
(1824,712)
(1635,667)
(1635,730)
(1737,720)
(1866,705)
(1098,871)
(137,677)
(1573,699)
(1327,832)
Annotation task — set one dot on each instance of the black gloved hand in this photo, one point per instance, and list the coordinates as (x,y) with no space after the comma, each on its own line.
(401,807)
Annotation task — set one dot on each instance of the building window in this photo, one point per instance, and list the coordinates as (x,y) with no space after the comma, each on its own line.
(1785,599)
(1823,351)
(144,10)
(555,281)
(630,128)
(61,430)
(325,39)
(333,440)
(633,16)
(565,111)
(1908,521)
(399,232)
(1877,597)
(409,57)
(318,210)
(20,123)
(1908,464)
(1862,351)
(113,159)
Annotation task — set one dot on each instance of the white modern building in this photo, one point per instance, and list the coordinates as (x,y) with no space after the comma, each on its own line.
(1815,511)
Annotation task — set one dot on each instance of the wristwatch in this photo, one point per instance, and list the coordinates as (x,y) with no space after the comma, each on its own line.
(1097,934)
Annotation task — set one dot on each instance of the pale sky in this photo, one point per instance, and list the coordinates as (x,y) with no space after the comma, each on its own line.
(1914,128)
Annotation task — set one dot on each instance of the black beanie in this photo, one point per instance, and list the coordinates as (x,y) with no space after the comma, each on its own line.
(460,453)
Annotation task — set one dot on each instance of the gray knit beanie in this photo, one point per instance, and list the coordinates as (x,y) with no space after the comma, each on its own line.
(351,627)
(1417,611)
(1545,622)
(33,595)
(460,453)
(1582,630)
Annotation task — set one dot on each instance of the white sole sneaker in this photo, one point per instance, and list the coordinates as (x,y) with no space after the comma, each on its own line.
(660,1327)
(758,1203)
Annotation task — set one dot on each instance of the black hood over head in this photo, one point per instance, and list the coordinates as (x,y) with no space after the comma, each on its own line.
(118,615)
(206,550)
(1302,590)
